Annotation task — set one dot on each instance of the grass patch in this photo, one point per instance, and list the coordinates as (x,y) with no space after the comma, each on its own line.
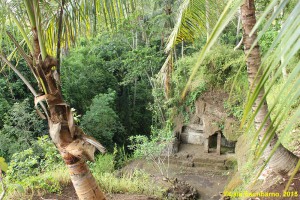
(234,183)
(48,182)
(138,182)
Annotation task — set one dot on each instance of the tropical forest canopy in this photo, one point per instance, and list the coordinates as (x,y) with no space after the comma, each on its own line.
(125,70)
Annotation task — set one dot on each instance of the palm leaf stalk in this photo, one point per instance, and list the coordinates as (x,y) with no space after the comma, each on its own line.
(282,160)
(191,20)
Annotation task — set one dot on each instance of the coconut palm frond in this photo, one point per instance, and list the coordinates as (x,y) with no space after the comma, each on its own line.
(193,19)
(284,109)
(226,16)
(191,23)
(287,46)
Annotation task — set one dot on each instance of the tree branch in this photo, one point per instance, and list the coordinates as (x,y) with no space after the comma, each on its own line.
(239,44)
(59,35)
(25,81)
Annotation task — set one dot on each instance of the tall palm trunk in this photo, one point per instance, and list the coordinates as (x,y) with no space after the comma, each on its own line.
(74,146)
(63,131)
(282,161)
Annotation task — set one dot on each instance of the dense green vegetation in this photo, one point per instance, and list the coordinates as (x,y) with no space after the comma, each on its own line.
(115,97)
(125,91)
(40,168)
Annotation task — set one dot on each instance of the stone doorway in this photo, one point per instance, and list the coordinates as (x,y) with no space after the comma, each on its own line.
(216,141)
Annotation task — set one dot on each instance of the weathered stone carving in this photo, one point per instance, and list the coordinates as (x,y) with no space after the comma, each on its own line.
(207,121)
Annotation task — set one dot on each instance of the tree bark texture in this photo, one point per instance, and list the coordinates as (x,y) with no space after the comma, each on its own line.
(282,161)
(69,139)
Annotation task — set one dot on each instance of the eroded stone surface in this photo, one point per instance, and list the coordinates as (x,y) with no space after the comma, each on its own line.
(208,120)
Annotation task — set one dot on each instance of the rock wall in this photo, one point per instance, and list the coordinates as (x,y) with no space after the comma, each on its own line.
(208,120)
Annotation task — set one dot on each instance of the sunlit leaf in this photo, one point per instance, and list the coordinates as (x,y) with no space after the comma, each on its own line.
(3,164)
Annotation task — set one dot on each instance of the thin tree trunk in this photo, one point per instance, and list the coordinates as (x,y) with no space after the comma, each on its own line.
(284,72)
(95,19)
(133,40)
(134,93)
(175,55)
(182,45)
(282,161)
(136,39)
(162,41)
(58,49)
(238,28)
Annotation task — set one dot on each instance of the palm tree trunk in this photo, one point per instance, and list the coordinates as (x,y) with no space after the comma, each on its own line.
(282,161)
(83,181)
(61,116)
(62,128)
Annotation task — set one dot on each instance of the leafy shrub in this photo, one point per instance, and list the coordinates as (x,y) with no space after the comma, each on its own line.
(223,63)
(153,149)
(4,106)
(234,109)
(121,157)
(32,168)
(3,165)
(103,164)
(22,165)
(137,183)
(41,157)
(101,121)
(21,127)
(267,39)
(49,158)
(48,182)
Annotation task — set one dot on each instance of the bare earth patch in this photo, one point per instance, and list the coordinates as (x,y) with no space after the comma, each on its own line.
(68,193)
(192,175)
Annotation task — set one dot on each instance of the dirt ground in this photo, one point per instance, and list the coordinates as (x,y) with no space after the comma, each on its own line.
(69,193)
(204,173)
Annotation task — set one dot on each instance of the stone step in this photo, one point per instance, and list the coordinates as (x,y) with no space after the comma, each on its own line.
(216,166)
(195,164)
(201,171)
(209,160)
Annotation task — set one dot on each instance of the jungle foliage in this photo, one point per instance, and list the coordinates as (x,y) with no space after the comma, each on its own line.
(113,74)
